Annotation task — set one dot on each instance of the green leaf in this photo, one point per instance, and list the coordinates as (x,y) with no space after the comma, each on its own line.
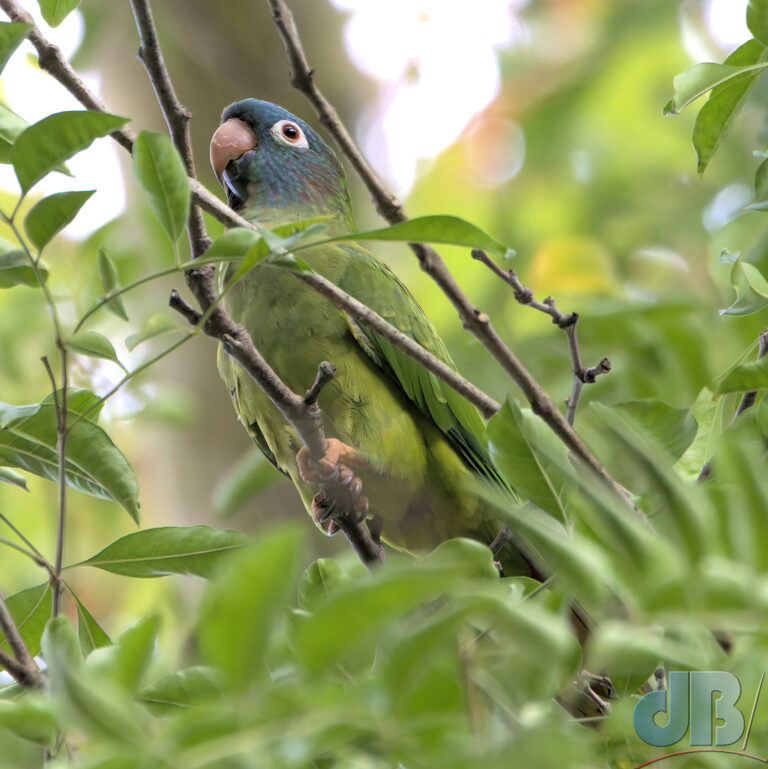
(751,288)
(89,632)
(161,174)
(79,401)
(133,653)
(670,429)
(55,11)
(707,411)
(11,125)
(30,610)
(757,19)
(233,243)
(94,345)
(761,188)
(700,78)
(11,476)
(154,325)
(250,476)
(530,458)
(110,282)
(29,718)
(12,33)
(318,582)
(50,215)
(241,607)
(94,464)
(747,376)
(15,269)
(724,103)
(45,144)
(81,702)
(196,550)
(435,229)
(183,689)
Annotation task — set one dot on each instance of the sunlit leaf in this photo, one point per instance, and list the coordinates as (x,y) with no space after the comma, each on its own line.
(12,33)
(435,229)
(161,174)
(196,550)
(241,606)
(724,103)
(751,289)
(94,345)
(11,125)
(154,325)
(30,610)
(50,215)
(28,439)
(757,19)
(110,282)
(11,476)
(55,11)
(42,146)
(700,78)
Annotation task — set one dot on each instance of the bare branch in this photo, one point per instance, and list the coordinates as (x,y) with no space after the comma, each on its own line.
(304,415)
(474,320)
(565,321)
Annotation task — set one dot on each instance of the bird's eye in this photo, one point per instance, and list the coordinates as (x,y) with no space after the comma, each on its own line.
(289,133)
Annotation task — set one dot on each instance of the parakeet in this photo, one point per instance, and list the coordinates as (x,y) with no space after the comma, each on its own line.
(415,444)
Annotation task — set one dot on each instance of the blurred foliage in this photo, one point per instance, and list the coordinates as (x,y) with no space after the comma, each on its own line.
(278,659)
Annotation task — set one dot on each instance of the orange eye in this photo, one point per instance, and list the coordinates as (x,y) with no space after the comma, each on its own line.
(289,133)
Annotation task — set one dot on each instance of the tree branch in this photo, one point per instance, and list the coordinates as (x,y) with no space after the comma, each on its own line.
(21,666)
(302,413)
(473,320)
(566,322)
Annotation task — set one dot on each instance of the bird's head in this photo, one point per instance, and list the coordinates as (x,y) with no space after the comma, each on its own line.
(275,168)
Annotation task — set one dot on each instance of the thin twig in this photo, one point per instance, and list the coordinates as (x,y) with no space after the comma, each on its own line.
(39,557)
(305,417)
(568,322)
(474,320)
(60,405)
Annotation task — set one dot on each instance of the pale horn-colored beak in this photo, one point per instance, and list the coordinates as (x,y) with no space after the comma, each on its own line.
(232,139)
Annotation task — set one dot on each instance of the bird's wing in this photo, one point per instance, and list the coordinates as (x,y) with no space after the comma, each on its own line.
(371,282)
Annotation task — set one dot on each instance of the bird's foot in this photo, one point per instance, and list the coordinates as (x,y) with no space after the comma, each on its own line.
(340,489)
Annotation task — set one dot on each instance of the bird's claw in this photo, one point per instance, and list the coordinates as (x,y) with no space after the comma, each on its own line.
(334,475)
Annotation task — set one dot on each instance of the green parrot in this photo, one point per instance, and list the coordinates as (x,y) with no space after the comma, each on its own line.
(414,445)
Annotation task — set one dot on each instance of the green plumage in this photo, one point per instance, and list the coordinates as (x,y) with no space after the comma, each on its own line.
(424,442)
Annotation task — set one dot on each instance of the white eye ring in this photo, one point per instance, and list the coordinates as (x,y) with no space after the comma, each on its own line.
(289,133)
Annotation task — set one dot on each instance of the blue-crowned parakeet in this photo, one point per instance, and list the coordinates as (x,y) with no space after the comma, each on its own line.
(416,445)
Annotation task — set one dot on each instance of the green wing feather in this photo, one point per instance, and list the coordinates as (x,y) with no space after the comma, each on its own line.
(375,285)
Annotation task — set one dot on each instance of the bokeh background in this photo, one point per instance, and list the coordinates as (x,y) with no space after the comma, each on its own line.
(539,121)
